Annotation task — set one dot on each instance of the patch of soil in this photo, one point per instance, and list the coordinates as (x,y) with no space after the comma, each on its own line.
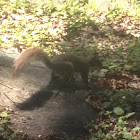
(43,109)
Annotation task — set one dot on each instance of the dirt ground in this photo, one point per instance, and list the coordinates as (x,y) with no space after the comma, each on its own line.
(41,107)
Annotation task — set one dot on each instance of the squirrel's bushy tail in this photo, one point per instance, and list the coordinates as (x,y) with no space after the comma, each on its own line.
(28,56)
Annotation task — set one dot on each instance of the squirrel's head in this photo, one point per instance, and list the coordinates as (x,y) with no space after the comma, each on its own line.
(94,60)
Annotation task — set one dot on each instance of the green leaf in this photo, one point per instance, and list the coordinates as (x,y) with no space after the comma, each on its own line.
(136,138)
(135,129)
(14,134)
(108,112)
(127,135)
(4,115)
(99,133)
(124,129)
(118,111)
(129,115)
(96,44)
(4,121)
(108,136)
(121,124)
(106,104)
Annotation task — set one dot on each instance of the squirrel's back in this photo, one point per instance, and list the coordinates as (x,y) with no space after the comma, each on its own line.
(79,62)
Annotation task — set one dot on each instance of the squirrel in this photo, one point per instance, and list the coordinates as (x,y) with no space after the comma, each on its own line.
(63,65)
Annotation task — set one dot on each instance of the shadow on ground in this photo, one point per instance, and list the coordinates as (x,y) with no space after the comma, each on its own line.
(66,110)
(39,98)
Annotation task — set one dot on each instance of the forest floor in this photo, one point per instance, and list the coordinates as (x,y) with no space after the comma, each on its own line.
(39,108)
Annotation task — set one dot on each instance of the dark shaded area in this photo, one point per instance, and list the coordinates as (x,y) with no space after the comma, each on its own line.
(70,114)
(72,123)
(36,100)
(39,98)
(2,138)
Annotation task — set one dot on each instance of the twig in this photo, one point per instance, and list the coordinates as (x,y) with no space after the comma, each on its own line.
(6,86)
(9,97)
(11,100)
(55,94)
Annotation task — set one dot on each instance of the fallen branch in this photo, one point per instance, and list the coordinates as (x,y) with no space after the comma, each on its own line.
(11,100)
(9,97)
(6,86)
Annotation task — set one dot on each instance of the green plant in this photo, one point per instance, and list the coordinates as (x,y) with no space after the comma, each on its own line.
(115,127)
(5,131)
(116,115)
(116,13)
(125,99)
